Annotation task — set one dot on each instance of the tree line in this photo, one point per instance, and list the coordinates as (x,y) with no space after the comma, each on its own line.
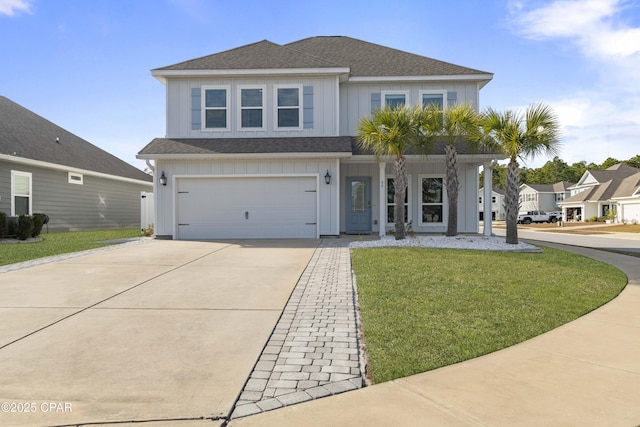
(555,170)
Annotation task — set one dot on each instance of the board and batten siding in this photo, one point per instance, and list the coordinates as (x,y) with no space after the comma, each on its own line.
(99,203)
(327,197)
(318,119)
(356,98)
(467,196)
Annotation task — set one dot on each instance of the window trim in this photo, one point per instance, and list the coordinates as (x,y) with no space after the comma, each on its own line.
(276,107)
(239,107)
(434,92)
(204,108)
(72,178)
(387,204)
(445,207)
(29,175)
(384,93)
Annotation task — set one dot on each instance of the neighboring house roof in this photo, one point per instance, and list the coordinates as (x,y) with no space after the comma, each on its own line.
(612,182)
(343,54)
(498,191)
(27,135)
(558,187)
(629,187)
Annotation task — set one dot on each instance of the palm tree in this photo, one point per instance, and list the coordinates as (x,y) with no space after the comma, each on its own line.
(457,124)
(519,137)
(392,132)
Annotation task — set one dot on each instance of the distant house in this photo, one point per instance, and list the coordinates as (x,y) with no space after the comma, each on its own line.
(497,204)
(46,169)
(543,197)
(598,192)
(261,142)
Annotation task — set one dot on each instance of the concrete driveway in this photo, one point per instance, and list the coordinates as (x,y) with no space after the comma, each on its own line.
(161,330)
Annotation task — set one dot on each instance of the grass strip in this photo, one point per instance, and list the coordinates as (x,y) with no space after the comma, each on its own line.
(427,308)
(61,243)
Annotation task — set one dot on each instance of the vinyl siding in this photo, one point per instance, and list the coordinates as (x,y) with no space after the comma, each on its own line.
(99,203)
(180,109)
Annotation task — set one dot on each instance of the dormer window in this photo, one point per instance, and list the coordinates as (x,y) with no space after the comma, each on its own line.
(215,108)
(288,107)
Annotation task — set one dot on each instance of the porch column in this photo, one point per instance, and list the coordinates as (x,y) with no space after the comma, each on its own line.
(382,201)
(488,189)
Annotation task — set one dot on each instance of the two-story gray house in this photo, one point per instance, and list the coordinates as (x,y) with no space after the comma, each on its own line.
(260,142)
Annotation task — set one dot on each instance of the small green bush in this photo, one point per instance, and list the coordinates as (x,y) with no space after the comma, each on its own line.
(3,224)
(25,227)
(12,225)
(38,222)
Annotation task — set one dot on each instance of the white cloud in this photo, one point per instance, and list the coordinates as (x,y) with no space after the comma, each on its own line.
(602,120)
(597,27)
(12,7)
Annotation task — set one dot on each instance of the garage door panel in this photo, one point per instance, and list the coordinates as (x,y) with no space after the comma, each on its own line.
(262,207)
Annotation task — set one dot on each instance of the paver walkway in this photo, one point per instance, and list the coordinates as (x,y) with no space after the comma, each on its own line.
(313,351)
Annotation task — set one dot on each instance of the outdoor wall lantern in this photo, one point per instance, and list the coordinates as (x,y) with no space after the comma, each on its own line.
(163,179)
(327,178)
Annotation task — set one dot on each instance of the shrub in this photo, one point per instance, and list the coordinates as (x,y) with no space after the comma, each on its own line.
(38,222)
(3,224)
(11,227)
(25,227)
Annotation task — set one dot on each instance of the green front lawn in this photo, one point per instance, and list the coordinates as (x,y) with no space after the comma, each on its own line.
(61,243)
(427,308)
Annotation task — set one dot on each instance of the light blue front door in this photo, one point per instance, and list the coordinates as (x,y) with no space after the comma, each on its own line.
(358,205)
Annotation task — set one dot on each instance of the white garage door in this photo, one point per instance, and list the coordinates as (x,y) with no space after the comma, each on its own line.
(246,207)
(632,213)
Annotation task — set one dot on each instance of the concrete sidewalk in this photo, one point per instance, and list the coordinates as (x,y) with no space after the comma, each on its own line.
(585,373)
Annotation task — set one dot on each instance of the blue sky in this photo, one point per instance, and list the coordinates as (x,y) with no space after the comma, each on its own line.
(85,65)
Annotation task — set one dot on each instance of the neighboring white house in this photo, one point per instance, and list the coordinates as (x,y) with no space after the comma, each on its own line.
(598,192)
(47,169)
(260,142)
(543,197)
(497,204)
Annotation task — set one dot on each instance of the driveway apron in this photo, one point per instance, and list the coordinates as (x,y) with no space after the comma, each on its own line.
(162,330)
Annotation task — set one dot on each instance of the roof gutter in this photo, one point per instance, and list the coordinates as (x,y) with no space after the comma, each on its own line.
(55,166)
(162,75)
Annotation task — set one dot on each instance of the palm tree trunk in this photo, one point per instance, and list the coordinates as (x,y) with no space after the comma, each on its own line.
(511,202)
(453,185)
(400,184)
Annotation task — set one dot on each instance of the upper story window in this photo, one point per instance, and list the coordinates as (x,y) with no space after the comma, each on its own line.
(251,104)
(288,103)
(216,107)
(395,99)
(559,197)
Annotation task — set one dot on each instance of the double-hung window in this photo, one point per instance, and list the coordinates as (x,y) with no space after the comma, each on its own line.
(432,199)
(394,99)
(251,104)
(437,98)
(20,193)
(288,105)
(391,201)
(215,107)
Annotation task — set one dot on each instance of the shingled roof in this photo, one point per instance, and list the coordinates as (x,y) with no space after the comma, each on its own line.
(362,58)
(370,59)
(216,146)
(28,135)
